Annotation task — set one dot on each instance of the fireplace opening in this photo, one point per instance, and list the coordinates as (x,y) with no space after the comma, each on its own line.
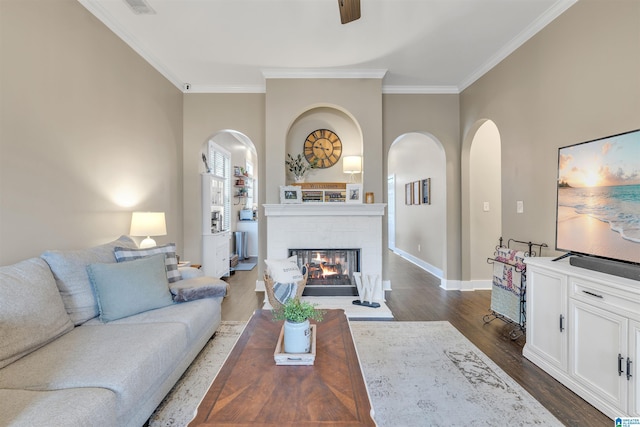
(330,270)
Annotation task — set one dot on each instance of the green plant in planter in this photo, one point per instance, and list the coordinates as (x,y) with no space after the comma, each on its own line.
(299,166)
(297,311)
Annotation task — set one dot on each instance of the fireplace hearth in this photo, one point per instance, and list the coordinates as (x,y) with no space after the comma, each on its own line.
(330,271)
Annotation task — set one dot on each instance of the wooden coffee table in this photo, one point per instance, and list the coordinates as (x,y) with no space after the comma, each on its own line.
(251,390)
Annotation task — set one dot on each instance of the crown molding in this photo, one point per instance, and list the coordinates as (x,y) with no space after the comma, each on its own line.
(545,19)
(322,73)
(391,90)
(195,88)
(420,90)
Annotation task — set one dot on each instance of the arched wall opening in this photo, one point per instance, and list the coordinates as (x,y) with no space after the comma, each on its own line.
(481,202)
(420,228)
(243,154)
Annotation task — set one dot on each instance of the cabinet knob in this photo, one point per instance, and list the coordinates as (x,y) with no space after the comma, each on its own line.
(561,323)
(629,369)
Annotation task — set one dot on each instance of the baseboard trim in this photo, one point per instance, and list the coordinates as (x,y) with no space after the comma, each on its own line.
(476,285)
(420,263)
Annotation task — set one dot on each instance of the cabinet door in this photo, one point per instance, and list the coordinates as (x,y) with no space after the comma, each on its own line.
(209,265)
(546,316)
(222,256)
(634,381)
(598,350)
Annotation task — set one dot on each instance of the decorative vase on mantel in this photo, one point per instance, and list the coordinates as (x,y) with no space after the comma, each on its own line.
(299,167)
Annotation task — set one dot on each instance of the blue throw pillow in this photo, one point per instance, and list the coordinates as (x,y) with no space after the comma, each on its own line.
(129,288)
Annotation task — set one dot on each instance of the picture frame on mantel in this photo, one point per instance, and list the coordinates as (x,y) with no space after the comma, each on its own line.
(354,193)
(290,194)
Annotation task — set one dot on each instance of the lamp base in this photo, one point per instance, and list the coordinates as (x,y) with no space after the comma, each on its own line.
(147,243)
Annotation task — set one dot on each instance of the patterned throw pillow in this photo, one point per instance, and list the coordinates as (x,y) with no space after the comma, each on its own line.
(283,292)
(171,261)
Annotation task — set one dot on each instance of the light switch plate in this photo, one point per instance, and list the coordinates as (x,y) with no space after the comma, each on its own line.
(519,206)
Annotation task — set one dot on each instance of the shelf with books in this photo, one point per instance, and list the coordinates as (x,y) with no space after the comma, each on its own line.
(323,192)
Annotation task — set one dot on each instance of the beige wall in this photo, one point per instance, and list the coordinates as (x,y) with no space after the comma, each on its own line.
(89,132)
(206,115)
(436,115)
(574,81)
(287,99)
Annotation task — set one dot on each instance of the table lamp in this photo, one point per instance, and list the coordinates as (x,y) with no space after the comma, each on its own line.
(352,164)
(148,224)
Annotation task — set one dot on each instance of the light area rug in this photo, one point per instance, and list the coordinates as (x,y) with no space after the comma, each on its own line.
(346,303)
(417,374)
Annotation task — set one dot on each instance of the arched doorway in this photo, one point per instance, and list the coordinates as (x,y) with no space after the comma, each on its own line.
(482,202)
(242,191)
(419,222)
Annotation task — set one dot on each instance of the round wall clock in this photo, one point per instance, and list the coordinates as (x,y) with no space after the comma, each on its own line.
(323,147)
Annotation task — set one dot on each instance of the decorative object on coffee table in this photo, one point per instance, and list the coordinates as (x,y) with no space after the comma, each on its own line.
(277,292)
(295,359)
(297,328)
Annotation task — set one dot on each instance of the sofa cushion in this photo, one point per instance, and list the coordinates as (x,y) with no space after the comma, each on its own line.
(31,309)
(132,360)
(74,407)
(70,270)
(197,316)
(128,288)
(171,260)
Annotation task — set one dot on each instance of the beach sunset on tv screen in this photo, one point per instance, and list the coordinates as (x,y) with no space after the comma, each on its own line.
(599,198)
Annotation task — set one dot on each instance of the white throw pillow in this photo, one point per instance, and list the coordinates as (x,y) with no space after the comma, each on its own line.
(284,270)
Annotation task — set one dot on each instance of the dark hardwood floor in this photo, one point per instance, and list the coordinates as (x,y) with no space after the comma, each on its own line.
(416,296)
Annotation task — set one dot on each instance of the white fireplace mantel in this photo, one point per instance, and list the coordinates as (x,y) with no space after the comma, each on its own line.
(328,226)
(325,209)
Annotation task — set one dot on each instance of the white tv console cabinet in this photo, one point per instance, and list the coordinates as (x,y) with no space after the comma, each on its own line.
(583,329)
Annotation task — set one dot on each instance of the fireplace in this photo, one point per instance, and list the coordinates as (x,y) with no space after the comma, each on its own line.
(330,271)
(327,225)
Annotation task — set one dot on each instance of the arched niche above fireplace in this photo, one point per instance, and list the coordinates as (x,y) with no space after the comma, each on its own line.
(338,121)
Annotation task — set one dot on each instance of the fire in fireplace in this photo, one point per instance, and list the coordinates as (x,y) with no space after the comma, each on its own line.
(330,270)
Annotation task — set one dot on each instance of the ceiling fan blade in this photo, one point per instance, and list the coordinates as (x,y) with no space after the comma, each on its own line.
(349,10)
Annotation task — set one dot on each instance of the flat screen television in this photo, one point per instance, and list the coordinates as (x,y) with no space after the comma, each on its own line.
(598,203)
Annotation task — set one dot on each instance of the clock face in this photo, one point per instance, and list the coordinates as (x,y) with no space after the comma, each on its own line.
(323,147)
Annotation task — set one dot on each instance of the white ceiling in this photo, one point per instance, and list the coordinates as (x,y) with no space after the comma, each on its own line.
(419,46)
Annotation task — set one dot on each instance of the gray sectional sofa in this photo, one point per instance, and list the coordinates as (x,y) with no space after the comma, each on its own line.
(88,341)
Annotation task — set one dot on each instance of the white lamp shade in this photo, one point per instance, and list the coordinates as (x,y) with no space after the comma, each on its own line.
(352,164)
(148,224)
